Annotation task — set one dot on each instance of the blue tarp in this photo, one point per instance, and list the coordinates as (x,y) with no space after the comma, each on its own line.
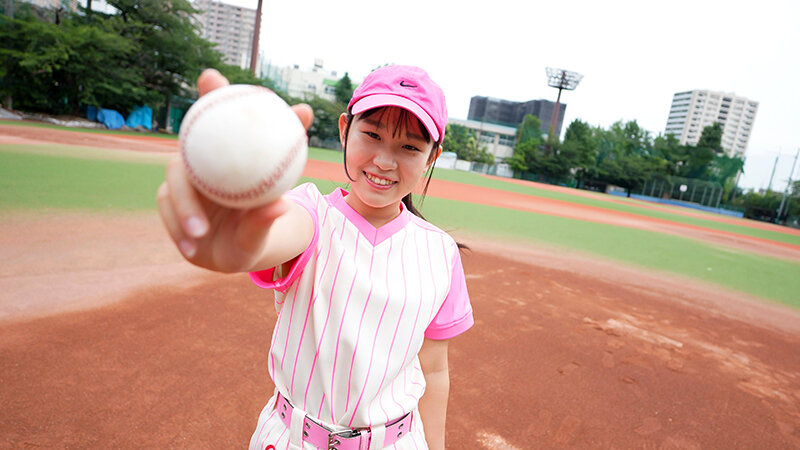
(141,116)
(110,118)
(91,113)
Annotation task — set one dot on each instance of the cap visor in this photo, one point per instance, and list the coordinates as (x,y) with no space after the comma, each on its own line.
(379,100)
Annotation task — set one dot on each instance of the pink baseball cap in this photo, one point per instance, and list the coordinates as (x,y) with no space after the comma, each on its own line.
(406,87)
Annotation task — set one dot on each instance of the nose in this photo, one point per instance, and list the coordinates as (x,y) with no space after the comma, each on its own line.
(384,158)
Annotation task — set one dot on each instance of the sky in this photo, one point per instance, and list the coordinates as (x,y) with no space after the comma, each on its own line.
(633,55)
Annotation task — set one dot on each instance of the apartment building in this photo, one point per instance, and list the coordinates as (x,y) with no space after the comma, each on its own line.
(230,27)
(691,111)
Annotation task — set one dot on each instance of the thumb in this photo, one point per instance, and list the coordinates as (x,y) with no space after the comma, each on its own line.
(209,80)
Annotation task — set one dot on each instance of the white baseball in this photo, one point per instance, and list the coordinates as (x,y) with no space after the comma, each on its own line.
(242,146)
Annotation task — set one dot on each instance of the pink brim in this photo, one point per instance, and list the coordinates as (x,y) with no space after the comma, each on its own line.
(378,100)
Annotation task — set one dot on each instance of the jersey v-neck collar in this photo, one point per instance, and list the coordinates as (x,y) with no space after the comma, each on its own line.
(372,234)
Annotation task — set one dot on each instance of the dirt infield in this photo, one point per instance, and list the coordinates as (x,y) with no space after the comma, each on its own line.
(109,339)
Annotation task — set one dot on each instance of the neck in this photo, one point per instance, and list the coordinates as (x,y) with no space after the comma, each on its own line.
(377,217)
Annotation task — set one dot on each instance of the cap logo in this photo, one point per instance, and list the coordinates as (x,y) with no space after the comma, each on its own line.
(408,85)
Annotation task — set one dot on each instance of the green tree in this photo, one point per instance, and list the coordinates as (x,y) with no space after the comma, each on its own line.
(463,142)
(724,170)
(326,118)
(700,156)
(169,52)
(526,151)
(670,152)
(759,206)
(344,89)
(579,148)
(626,156)
(237,75)
(59,68)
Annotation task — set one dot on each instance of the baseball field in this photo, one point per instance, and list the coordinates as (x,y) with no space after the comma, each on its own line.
(601,322)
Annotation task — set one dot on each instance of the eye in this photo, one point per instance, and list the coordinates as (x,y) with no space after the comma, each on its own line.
(411,147)
(372,135)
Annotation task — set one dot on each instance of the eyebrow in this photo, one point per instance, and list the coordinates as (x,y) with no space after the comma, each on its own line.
(409,134)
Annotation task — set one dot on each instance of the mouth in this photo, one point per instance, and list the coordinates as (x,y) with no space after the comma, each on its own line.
(379,181)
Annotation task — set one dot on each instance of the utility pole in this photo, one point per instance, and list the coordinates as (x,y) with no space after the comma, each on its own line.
(256,35)
(769,186)
(788,186)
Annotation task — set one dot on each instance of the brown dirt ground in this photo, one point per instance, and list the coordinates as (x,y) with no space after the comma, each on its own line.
(109,339)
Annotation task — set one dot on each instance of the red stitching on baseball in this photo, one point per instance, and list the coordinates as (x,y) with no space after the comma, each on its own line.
(266,183)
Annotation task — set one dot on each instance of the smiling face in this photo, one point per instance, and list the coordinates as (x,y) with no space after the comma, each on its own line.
(388,152)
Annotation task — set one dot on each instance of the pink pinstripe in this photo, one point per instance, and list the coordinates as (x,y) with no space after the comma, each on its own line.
(416,319)
(305,323)
(321,402)
(341,324)
(391,346)
(261,429)
(288,331)
(372,353)
(321,334)
(360,323)
(286,344)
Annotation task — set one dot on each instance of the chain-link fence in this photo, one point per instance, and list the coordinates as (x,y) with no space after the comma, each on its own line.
(690,190)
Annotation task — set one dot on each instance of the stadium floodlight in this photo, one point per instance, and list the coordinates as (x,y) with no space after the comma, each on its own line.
(561,79)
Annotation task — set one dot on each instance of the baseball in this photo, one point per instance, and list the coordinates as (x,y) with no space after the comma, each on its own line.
(242,146)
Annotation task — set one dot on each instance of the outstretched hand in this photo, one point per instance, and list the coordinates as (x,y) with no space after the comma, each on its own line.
(210,235)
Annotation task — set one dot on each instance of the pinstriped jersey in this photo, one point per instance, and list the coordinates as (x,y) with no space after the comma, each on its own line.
(354,310)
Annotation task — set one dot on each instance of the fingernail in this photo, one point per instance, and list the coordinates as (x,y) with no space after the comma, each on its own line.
(196,227)
(187,248)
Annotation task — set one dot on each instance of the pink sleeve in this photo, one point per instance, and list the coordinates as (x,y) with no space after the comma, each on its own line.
(455,315)
(265,278)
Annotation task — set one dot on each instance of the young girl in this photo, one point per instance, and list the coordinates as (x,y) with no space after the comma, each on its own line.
(368,293)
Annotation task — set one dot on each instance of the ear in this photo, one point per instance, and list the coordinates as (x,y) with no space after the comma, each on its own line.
(342,127)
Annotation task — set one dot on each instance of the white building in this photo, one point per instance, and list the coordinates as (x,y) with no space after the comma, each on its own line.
(691,111)
(498,140)
(230,27)
(305,83)
(71,5)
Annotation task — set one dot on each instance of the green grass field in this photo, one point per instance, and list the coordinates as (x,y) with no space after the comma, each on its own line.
(85,181)
(631,206)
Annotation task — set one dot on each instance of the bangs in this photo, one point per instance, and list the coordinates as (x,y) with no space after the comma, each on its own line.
(405,121)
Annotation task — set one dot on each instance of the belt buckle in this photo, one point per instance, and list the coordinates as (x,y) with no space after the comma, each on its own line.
(333,442)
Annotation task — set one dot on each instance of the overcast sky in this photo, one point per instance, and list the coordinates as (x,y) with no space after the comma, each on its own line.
(634,55)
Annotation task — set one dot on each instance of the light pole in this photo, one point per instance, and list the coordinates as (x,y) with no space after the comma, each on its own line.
(788,186)
(560,79)
(256,33)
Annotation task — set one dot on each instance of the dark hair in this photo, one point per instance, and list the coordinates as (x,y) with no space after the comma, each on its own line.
(405,119)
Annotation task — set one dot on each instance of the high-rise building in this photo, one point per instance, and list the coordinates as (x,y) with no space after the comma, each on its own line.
(691,111)
(230,27)
(511,114)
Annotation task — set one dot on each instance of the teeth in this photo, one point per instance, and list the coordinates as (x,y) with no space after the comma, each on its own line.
(380,181)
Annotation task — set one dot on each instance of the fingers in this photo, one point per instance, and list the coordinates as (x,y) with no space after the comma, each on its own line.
(209,80)
(171,222)
(181,208)
(305,113)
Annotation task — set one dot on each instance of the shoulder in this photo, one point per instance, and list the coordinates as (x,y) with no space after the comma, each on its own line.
(305,190)
(308,196)
(432,231)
